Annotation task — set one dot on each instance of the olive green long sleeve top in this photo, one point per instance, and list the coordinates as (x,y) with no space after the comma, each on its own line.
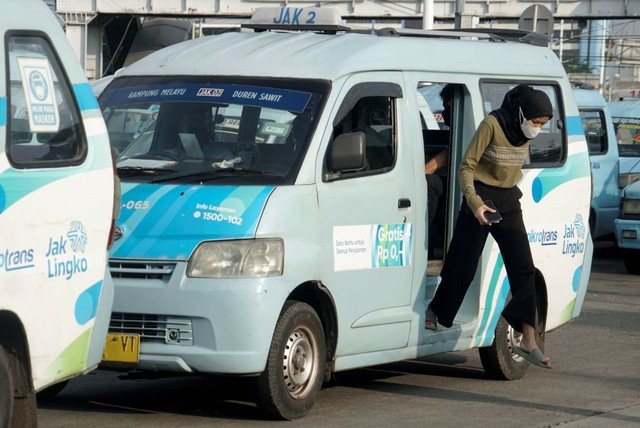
(490,159)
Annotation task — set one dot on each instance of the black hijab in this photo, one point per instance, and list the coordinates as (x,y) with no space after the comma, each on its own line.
(534,103)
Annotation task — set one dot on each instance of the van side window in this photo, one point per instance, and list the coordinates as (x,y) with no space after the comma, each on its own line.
(44,127)
(595,131)
(549,147)
(374,116)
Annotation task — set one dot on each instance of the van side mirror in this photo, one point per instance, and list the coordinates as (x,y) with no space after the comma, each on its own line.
(348,154)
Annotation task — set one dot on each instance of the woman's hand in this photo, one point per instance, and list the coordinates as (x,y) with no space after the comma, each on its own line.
(479,215)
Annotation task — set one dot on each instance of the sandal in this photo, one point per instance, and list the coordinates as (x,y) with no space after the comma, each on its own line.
(430,319)
(534,357)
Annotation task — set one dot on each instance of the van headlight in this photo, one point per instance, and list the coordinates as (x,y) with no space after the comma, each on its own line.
(631,207)
(625,179)
(249,258)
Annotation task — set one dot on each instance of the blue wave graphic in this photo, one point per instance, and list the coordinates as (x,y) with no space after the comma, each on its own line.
(87,303)
(549,179)
(171,220)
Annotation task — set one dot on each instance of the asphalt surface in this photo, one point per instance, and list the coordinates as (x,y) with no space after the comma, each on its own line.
(595,382)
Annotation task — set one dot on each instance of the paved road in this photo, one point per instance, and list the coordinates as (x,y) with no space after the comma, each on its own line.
(595,382)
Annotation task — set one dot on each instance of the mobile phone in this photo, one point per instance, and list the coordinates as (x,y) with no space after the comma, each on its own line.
(492,217)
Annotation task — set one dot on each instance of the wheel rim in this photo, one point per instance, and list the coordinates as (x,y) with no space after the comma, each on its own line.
(513,339)
(300,362)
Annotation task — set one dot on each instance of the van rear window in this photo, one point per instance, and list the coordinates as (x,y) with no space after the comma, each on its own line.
(44,126)
(548,149)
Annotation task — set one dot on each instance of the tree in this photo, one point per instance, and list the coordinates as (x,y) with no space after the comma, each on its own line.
(574,65)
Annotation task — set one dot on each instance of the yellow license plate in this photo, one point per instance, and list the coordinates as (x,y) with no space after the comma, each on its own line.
(122,348)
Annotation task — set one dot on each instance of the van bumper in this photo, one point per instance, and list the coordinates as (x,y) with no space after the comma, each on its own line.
(627,233)
(196,325)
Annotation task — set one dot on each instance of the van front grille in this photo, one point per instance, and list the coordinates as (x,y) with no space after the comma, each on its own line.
(141,269)
(154,328)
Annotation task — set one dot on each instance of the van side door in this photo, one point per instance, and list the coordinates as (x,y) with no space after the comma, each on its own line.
(368,213)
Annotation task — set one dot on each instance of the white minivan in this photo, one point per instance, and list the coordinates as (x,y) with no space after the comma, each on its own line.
(274,216)
(57,213)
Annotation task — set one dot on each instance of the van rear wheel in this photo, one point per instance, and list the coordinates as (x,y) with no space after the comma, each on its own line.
(498,359)
(288,387)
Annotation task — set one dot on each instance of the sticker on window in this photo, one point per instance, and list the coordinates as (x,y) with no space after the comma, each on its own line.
(38,86)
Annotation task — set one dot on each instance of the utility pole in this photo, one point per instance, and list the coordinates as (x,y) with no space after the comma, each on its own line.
(427,19)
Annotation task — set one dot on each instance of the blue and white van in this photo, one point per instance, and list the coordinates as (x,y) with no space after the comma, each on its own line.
(274,215)
(626,119)
(627,227)
(603,155)
(625,114)
(57,213)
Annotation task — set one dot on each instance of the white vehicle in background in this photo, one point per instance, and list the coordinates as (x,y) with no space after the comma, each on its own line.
(627,227)
(603,155)
(625,113)
(57,191)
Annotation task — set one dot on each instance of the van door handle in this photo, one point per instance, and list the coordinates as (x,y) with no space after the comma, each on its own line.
(404,203)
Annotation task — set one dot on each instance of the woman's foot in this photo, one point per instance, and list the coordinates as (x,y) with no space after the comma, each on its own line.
(430,319)
(528,348)
(534,356)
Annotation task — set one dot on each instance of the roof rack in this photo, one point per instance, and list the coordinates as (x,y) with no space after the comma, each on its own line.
(534,38)
(328,20)
(445,34)
(491,34)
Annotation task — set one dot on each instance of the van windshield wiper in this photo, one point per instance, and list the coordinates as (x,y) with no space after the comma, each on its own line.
(215,174)
(130,171)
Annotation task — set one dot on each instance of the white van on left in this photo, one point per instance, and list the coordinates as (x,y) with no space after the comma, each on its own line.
(57,207)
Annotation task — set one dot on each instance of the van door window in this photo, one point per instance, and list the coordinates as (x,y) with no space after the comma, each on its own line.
(548,149)
(595,131)
(436,107)
(375,117)
(44,128)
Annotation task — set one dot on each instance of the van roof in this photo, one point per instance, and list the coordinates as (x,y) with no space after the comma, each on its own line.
(625,108)
(329,56)
(39,14)
(588,98)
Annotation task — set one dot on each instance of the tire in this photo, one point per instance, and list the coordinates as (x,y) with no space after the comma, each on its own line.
(6,389)
(25,411)
(295,370)
(498,361)
(53,390)
(632,261)
(15,410)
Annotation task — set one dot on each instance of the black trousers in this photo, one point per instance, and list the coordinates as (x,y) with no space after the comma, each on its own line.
(464,253)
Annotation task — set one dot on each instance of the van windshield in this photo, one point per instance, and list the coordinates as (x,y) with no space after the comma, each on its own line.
(628,136)
(196,132)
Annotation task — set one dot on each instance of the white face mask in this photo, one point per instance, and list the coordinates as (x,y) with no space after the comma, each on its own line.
(529,131)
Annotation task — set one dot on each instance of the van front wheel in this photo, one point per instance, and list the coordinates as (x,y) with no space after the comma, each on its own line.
(296,362)
(632,261)
(6,389)
(498,359)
